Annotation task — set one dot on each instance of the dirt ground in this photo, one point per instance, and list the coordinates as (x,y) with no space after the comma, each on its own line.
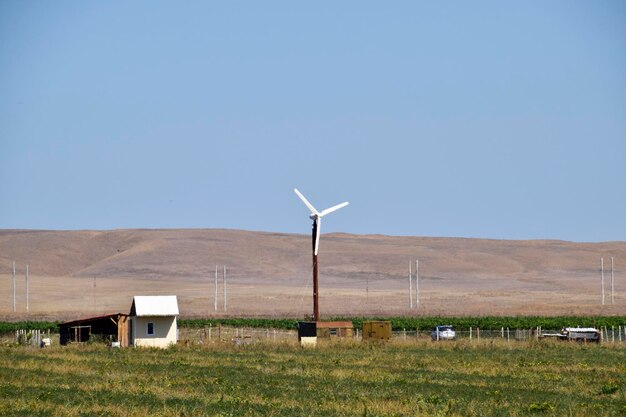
(84,273)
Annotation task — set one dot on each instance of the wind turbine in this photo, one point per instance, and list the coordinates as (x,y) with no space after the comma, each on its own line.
(316,216)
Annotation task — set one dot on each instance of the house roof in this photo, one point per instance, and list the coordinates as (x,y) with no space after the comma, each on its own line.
(154,305)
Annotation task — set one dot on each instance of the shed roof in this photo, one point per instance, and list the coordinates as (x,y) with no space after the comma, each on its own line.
(114,317)
(334,324)
(154,305)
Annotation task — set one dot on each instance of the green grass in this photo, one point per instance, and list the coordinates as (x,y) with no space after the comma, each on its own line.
(334,379)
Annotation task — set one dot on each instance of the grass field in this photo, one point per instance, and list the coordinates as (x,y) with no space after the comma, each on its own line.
(334,379)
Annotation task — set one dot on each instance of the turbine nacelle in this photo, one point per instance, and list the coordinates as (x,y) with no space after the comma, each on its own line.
(316,216)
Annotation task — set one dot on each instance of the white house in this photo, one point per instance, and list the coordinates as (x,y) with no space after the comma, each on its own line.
(153,321)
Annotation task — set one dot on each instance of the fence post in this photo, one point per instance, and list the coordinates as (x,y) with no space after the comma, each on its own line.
(503,332)
(478,334)
(508,335)
(404,333)
(470,334)
(274,335)
(613,334)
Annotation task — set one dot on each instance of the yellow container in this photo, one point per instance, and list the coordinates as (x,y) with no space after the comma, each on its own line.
(376,330)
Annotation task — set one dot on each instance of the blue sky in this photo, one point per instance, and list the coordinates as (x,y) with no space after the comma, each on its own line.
(501,120)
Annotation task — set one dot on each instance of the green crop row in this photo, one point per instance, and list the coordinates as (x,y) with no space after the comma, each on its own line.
(425,323)
(9,327)
(397,323)
(239,322)
(496,323)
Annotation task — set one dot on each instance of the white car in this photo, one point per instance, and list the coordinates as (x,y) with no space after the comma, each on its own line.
(443,332)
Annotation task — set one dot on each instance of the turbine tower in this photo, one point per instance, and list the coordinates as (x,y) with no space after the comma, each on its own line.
(316,216)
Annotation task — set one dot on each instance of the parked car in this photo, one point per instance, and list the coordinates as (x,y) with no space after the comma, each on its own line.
(443,332)
(582,334)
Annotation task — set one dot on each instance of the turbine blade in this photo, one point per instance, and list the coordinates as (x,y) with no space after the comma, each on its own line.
(317,234)
(333,208)
(306,202)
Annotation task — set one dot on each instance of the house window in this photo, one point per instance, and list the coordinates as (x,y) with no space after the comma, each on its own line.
(150,329)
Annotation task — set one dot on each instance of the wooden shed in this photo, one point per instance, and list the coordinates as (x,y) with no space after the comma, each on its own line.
(153,321)
(110,328)
(332,329)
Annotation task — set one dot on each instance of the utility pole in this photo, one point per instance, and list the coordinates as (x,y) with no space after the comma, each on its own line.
(316,308)
(224,288)
(417,285)
(612,283)
(27,288)
(14,304)
(410,288)
(602,279)
(215,296)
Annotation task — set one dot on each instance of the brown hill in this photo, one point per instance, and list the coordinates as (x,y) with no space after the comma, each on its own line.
(269,274)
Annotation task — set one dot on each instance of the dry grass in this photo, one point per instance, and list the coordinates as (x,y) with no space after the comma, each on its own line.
(269,274)
(457,379)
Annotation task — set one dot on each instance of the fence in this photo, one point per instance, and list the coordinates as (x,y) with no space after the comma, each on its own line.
(235,335)
(608,335)
(31,337)
(613,334)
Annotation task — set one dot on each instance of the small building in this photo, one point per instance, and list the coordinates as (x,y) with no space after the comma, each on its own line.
(333,329)
(153,321)
(109,329)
